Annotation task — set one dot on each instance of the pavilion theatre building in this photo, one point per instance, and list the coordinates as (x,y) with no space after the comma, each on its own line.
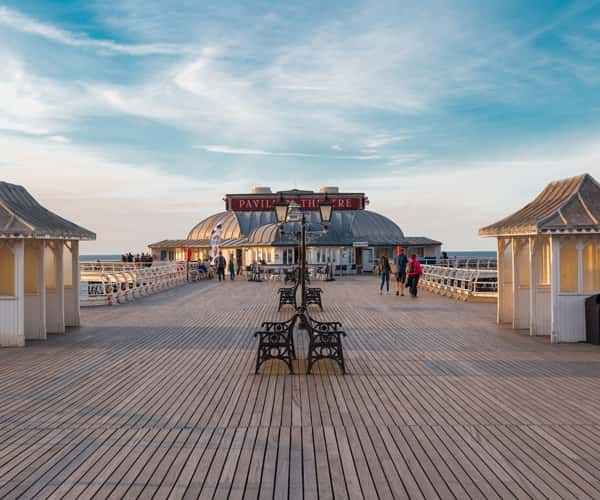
(355,239)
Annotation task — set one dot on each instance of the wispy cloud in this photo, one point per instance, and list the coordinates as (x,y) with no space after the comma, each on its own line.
(59,138)
(33,105)
(259,152)
(17,21)
(253,152)
(380,140)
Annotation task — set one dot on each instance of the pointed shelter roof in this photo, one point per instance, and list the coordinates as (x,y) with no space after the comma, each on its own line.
(21,216)
(566,206)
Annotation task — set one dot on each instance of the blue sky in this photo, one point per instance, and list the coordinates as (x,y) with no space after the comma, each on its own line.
(134,118)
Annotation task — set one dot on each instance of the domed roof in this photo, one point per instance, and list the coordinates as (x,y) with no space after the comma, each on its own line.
(203,230)
(345,228)
(375,228)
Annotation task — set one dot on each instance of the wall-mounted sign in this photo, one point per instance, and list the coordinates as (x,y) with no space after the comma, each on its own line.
(359,244)
(241,203)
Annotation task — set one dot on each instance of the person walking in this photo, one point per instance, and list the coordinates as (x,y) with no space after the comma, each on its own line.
(231,268)
(400,260)
(220,264)
(384,269)
(413,271)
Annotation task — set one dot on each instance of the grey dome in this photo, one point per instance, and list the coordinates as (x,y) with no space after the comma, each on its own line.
(375,228)
(203,230)
(345,228)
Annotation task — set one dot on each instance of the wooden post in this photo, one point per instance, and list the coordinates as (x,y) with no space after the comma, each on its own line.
(19,254)
(55,297)
(72,293)
(532,284)
(554,288)
(500,267)
(35,301)
(515,281)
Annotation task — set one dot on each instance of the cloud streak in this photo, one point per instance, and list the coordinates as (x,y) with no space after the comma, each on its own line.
(17,21)
(213,148)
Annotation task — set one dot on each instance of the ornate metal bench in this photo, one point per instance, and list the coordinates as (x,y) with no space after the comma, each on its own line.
(276,341)
(287,296)
(325,342)
(313,296)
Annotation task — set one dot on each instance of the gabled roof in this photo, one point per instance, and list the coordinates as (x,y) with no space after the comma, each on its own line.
(415,241)
(21,216)
(566,206)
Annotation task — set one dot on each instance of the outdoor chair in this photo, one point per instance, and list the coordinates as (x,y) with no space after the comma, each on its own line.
(287,296)
(290,276)
(325,342)
(313,296)
(276,341)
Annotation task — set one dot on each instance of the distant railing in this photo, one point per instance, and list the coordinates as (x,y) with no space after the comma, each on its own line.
(118,266)
(460,282)
(107,283)
(465,262)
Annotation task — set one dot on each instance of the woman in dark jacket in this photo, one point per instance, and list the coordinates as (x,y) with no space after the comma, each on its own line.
(384,269)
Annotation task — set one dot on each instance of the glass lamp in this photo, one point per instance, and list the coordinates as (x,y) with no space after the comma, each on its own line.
(294,213)
(281,210)
(326,210)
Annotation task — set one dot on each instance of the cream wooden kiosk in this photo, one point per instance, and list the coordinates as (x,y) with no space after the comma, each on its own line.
(549,260)
(39,268)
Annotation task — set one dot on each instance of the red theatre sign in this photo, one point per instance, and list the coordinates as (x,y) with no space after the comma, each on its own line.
(249,203)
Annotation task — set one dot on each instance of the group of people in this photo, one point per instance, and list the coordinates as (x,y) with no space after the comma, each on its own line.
(406,269)
(221,264)
(143,258)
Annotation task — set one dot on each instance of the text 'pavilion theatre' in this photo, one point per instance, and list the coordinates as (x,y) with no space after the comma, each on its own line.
(356,237)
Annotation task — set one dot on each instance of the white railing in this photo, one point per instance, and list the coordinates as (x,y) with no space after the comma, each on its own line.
(467,263)
(118,266)
(102,286)
(460,283)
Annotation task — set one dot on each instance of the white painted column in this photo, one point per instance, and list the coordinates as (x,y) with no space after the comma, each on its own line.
(514,250)
(72,292)
(532,284)
(35,303)
(554,288)
(500,268)
(12,307)
(19,253)
(55,297)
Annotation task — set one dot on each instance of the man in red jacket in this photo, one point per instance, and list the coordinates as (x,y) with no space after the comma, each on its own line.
(413,271)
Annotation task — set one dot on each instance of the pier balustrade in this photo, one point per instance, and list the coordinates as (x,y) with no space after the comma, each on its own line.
(108,283)
(461,283)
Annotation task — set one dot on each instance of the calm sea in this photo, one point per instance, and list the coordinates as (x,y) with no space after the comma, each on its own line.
(102,257)
(474,254)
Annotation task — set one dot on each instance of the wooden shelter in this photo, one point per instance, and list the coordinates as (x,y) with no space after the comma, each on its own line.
(39,268)
(549,260)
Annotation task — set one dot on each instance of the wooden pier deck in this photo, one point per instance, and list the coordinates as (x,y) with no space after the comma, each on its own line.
(158,399)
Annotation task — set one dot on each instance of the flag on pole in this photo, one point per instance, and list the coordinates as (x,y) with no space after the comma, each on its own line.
(215,240)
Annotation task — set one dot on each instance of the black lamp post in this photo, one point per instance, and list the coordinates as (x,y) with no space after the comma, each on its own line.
(284,214)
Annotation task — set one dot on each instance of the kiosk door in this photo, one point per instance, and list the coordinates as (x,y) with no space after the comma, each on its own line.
(367,260)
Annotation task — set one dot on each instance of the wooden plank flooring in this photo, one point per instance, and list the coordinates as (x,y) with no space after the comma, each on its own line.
(158,399)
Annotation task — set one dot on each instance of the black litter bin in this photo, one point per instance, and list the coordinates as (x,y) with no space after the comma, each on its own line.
(592,319)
